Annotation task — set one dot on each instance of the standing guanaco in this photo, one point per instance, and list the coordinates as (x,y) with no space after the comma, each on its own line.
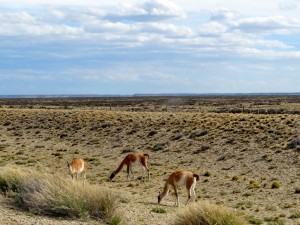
(77,166)
(130,160)
(177,179)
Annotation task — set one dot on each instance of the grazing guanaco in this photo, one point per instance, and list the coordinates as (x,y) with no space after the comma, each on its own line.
(177,179)
(130,160)
(77,166)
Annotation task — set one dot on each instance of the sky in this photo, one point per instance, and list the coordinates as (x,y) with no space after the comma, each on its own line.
(51,47)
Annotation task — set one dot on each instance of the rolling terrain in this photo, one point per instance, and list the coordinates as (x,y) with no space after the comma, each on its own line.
(248,160)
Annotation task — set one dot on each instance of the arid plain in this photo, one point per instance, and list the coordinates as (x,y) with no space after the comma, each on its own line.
(245,149)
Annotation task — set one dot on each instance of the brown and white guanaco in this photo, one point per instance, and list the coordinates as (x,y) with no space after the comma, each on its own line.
(177,179)
(131,160)
(77,166)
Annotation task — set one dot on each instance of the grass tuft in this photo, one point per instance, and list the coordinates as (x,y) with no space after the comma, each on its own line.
(48,194)
(208,214)
(159,210)
(253,220)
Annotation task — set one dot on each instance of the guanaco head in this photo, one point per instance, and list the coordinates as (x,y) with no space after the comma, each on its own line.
(112,176)
(158,198)
(196,176)
(69,165)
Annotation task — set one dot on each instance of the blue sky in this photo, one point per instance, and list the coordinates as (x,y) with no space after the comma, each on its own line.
(153,46)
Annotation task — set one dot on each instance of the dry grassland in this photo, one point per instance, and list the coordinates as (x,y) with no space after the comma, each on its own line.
(247,162)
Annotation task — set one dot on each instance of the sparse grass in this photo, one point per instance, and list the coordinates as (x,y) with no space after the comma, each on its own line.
(47,194)
(3,146)
(253,220)
(159,210)
(246,144)
(208,214)
(295,215)
(244,204)
(274,221)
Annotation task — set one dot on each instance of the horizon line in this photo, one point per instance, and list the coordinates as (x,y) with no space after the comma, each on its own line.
(148,95)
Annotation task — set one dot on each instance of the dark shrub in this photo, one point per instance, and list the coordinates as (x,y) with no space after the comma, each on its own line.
(198,133)
(294,143)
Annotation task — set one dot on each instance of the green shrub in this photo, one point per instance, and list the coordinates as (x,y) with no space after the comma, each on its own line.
(276,184)
(254,184)
(159,146)
(208,214)
(159,210)
(207,174)
(115,220)
(198,133)
(253,220)
(235,178)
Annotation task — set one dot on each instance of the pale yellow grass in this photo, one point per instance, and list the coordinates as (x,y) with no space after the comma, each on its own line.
(50,194)
(205,213)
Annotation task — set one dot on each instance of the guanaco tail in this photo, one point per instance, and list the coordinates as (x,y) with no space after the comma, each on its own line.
(77,166)
(130,160)
(177,179)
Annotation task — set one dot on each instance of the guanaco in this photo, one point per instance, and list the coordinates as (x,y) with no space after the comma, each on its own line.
(130,160)
(177,179)
(77,166)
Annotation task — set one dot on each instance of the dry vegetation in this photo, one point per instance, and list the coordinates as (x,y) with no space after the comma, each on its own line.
(46,194)
(248,162)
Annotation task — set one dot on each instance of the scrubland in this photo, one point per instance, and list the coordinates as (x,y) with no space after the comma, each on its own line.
(248,162)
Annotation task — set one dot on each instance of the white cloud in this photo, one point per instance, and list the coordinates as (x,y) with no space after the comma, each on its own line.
(142,34)
(212,28)
(287,6)
(166,29)
(289,68)
(224,15)
(243,40)
(267,24)
(268,54)
(152,10)
(264,68)
(276,24)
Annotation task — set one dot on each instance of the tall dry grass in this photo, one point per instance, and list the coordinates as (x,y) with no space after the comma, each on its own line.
(51,194)
(208,214)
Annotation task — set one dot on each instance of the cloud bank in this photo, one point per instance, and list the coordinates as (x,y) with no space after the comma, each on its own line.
(128,42)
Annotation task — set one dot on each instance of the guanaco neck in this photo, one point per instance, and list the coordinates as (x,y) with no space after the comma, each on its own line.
(120,167)
(165,192)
